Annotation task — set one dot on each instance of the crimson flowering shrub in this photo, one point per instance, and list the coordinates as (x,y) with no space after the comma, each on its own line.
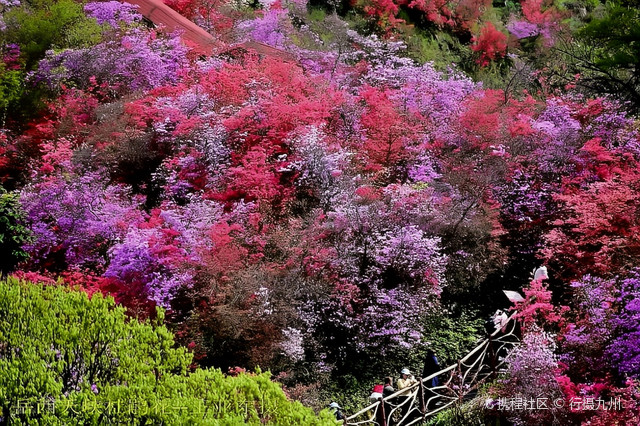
(160,252)
(537,310)
(216,16)
(490,43)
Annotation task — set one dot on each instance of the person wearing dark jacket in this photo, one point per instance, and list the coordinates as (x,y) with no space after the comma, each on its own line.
(431,366)
(388,387)
(389,403)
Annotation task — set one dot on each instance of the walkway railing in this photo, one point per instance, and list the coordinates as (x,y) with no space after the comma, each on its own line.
(414,404)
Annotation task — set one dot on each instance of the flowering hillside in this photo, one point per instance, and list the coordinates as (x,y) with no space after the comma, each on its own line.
(334,191)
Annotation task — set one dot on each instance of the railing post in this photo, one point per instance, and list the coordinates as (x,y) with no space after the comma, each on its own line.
(492,357)
(382,416)
(423,408)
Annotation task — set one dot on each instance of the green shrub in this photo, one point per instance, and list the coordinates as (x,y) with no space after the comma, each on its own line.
(38,26)
(10,87)
(12,233)
(68,359)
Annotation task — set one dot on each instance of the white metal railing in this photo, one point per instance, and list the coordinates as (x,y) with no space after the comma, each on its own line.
(413,404)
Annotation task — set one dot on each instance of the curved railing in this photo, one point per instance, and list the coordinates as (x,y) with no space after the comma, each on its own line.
(413,404)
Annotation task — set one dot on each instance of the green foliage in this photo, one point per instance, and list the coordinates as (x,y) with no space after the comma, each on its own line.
(578,7)
(84,33)
(37,26)
(451,337)
(442,49)
(66,358)
(10,86)
(327,28)
(40,26)
(13,234)
(493,76)
(616,36)
(352,394)
(317,15)
(469,413)
(605,52)
(506,8)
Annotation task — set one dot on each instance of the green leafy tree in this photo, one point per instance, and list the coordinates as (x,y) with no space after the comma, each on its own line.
(10,86)
(66,358)
(605,52)
(13,234)
(38,26)
(451,337)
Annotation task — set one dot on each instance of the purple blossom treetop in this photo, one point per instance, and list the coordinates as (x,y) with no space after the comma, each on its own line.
(113,12)
(270,29)
(523,29)
(137,61)
(624,352)
(79,218)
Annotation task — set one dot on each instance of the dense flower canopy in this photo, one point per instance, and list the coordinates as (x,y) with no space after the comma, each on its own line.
(321,207)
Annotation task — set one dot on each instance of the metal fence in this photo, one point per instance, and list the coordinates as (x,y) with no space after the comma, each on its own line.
(459,381)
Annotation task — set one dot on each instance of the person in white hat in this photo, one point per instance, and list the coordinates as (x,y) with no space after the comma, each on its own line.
(406,379)
(336,410)
(404,382)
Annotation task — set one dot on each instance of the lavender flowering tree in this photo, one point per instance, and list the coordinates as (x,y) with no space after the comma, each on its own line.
(113,13)
(531,375)
(587,338)
(136,60)
(624,351)
(74,221)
